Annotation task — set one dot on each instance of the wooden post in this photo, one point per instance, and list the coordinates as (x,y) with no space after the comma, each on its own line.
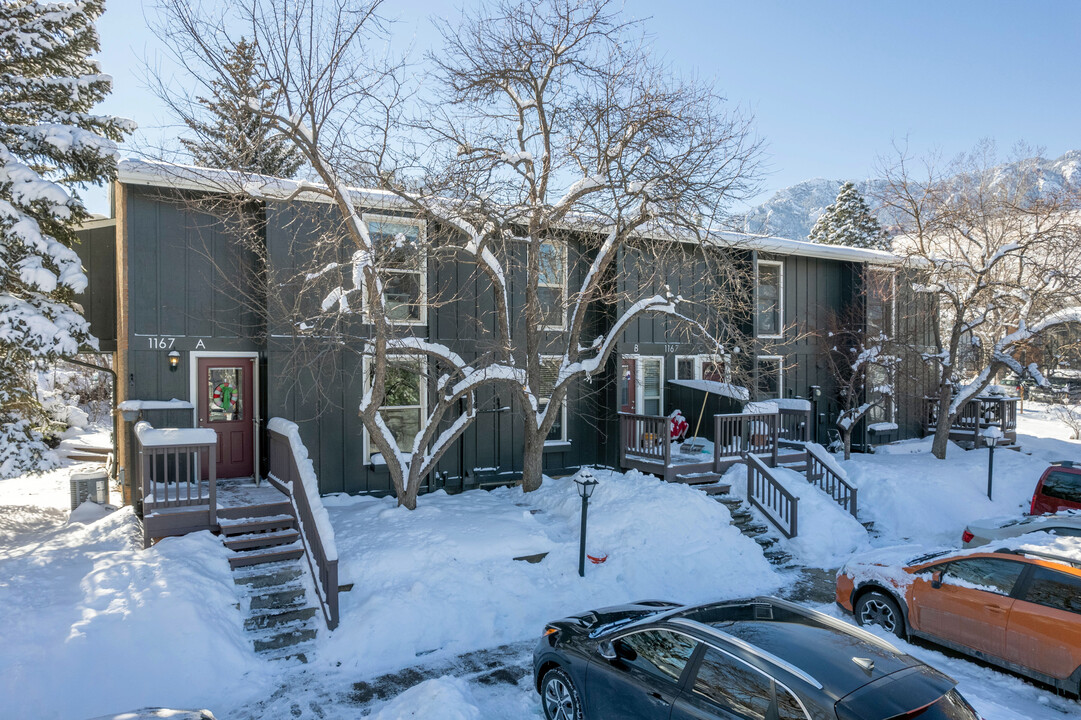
(776,436)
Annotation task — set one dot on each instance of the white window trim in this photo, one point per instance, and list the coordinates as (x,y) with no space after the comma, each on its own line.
(780,297)
(780,375)
(639,381)
(563,440)
(366,366)
(700,360)
(422,238)
(562,287)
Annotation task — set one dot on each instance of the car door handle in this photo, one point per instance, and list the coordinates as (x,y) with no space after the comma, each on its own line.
(656,695)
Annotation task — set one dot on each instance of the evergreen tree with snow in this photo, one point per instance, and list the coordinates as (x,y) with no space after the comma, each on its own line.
(50,144)
(233,136)
(848,221)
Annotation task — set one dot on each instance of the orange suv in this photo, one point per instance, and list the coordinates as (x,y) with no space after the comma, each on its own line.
(1017,607)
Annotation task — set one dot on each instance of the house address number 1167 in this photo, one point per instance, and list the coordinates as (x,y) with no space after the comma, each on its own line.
(162,343)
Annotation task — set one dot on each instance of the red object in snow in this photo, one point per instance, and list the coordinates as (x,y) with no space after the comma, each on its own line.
(597,559)
(680,426)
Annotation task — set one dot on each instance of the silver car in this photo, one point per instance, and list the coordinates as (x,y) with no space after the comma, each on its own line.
(982,532)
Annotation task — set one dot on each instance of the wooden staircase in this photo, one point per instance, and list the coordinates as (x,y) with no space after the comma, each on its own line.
(267,565)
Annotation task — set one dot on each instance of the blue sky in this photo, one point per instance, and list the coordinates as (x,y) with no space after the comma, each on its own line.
(832,84)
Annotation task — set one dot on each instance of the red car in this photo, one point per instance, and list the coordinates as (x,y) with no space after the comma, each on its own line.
(1059,488)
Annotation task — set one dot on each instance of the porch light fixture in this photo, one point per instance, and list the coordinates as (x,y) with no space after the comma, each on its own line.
(174,360)
(585,483)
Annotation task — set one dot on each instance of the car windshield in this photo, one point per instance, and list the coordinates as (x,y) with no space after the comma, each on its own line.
(929,556)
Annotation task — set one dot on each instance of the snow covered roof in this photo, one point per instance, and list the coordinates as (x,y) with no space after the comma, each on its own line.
(190,177)
(736,392)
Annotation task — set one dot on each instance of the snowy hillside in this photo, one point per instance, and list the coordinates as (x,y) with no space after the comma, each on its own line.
(791,212)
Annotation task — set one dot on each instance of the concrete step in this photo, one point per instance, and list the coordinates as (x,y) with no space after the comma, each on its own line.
(741,516)
(260,556)
(251,541)
(777,556)
(754,529)
(285,640)
(730,501)
(702,478)
(268,574)
(765,541)
(247,525)
(717,489)
(279,598)
(277,618)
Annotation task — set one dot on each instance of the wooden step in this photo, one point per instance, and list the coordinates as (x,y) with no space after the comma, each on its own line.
(244,558)
(278,598)
(701,478)
(248,525)
(795,466)
(282,640)
(279,618)
(86,457)
(262,539)
(268,575)
(266,510)
(717,489)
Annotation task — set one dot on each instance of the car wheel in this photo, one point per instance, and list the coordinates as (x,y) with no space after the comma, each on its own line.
(874,608)
(559,697)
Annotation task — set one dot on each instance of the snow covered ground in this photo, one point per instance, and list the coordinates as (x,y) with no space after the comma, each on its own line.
(94,625)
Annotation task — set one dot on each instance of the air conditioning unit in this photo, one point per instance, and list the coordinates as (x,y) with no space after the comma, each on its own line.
(92,485)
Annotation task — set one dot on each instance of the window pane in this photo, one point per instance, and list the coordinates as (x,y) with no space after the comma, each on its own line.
(551,264)
(788,708)
(989,574)
(651,387)
(685,369)
(713,371)
(769,297)
(733,685)
(397,245)
(224,394)
(402,384)
(878,377)
(404,424)
(401,292)
(551,306)
(556,433)
(626,384)
(769,379)
(658,652)
(549,371)
(1055,589)
(1063,485)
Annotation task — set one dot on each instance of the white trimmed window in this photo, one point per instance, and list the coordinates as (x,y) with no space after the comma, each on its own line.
(402,263)
(769,377)
(552,285)
(769,295)
(651,387)
(405,404)
(549,372)
(703,367)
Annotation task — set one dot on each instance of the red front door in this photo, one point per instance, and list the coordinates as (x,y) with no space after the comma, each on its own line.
(225,405)
(628,386)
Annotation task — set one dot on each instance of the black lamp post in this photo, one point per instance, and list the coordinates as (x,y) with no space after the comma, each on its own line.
(586,484)
(815,392)
(991,435)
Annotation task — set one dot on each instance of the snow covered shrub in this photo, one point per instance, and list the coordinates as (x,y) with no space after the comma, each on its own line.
(22,450)
(1068,415)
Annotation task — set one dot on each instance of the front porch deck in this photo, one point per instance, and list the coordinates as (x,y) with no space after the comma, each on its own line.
(976,415)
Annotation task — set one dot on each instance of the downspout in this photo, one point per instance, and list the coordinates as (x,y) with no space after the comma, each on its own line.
(112,398)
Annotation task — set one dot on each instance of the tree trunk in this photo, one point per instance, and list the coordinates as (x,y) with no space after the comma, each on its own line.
(532,461)
(846,438)
(942,427)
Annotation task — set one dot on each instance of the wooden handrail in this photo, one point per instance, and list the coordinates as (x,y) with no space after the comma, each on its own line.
(795,424)
(284,473)
(977,414)
(738,433)
(180,465)
(821,474)
(767,494)
(646,436)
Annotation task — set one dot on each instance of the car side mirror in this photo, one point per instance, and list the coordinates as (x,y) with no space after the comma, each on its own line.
(607,650)
(936,579)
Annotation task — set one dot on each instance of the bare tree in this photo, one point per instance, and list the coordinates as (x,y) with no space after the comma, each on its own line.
(998,250)
(557,128)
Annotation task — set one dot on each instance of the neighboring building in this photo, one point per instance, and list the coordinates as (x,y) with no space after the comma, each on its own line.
(179,329)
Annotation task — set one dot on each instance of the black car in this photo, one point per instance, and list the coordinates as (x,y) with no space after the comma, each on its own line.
(757,659)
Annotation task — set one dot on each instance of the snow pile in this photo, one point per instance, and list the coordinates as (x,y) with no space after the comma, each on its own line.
(793,404)
(421,577)
(762,407)
(826,533)
(715,387)
(92,625)
(446,698)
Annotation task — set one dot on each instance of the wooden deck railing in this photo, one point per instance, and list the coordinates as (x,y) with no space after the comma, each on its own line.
(976,414)
(285,474)
(795,425)
(171,466)
(755,433)
(820,473)
(764,492)
(646,436)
